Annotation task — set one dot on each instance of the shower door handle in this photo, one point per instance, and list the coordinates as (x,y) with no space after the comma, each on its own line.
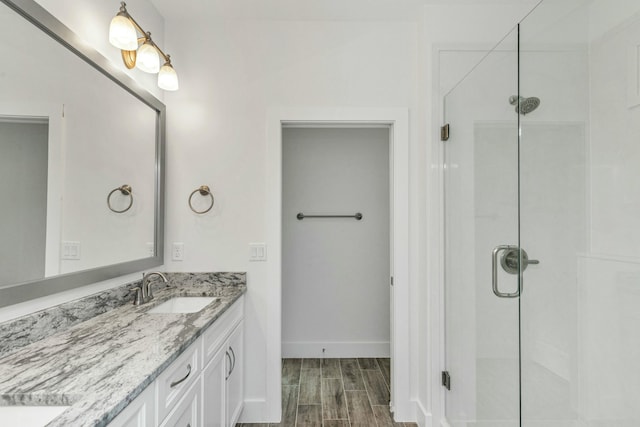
(494,272)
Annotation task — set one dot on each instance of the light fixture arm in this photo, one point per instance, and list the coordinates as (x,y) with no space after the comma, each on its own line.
(167,58)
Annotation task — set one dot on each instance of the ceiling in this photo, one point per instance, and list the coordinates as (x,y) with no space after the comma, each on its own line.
(306,10)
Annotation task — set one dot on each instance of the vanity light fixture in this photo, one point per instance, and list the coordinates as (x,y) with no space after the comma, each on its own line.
(141,52)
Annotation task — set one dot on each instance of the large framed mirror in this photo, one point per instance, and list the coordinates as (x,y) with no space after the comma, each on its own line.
(81,162)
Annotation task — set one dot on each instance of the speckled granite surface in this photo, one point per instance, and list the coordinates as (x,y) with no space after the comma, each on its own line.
(36,326)
(102,363)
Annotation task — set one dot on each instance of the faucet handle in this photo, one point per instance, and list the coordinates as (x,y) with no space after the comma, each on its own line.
(138,298)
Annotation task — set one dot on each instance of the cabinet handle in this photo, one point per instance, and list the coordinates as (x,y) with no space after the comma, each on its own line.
(233,365)
(228,373)
(175,383)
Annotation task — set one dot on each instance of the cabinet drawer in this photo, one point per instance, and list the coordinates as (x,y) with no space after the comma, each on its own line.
(187,411)
(216,335)
(173,383)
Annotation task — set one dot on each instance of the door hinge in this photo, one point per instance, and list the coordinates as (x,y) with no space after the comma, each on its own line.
(446,380)
(444,132)
(391,280)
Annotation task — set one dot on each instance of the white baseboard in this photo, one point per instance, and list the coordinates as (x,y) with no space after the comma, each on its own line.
(255,411)
(335,349)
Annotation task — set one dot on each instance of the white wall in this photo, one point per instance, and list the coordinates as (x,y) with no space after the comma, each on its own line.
(335,271)
(615,124)
(608,273)
(216,133)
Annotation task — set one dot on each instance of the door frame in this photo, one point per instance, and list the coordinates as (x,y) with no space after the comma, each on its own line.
(398,121)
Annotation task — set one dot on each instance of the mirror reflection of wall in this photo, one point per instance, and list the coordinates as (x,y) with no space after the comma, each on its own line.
(23,191)
(98,138)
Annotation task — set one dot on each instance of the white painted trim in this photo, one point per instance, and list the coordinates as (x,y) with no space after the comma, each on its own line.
(323,125)
(335,349)
(273,410)
(398,120)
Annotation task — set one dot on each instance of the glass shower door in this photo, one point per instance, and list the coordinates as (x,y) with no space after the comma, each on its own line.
(481,186)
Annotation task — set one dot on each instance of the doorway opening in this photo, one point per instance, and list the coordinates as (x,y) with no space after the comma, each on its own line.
(396,120)
(336,270)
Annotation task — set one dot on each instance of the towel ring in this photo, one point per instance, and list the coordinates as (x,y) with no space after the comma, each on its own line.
(204,191)
(125,190)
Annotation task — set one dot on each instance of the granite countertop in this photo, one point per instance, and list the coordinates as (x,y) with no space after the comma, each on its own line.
(100,365)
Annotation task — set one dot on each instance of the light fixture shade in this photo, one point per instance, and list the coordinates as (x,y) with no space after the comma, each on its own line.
(167,78)
(148,59)
(122,33)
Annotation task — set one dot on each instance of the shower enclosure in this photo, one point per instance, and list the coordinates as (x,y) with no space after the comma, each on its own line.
(542,224)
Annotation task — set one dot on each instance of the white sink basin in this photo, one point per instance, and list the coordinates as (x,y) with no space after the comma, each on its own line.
(183,305)
(29,416)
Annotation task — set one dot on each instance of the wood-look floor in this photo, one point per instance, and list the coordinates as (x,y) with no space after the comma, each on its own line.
(335,393)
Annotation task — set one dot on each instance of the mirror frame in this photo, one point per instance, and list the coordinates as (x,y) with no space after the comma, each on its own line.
(21,292)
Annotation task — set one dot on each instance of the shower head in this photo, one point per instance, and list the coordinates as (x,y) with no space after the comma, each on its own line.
(524,105)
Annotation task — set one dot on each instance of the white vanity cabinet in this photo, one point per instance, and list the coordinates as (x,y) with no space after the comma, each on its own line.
(202,387)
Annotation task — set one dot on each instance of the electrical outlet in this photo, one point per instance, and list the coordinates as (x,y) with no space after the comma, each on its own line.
(177,252)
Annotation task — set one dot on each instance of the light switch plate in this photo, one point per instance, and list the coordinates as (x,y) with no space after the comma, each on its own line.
(257,252)
(70,250)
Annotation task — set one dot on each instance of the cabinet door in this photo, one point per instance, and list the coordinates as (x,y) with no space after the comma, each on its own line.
(139,413)
(235,399)
(213,389)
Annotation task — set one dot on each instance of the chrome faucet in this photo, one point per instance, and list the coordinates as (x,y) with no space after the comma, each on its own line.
(147,294)
(144,293)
